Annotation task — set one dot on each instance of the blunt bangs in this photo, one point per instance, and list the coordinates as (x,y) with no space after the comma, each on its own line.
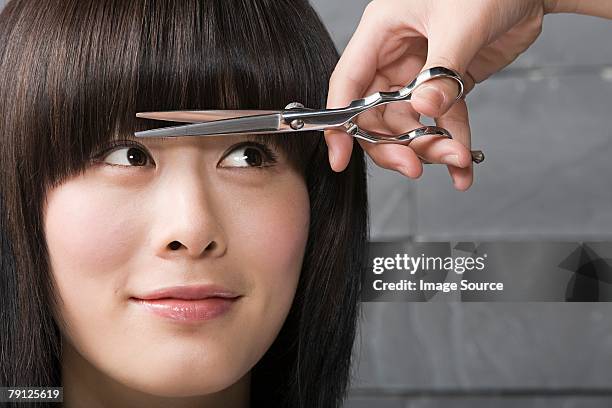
(101,61)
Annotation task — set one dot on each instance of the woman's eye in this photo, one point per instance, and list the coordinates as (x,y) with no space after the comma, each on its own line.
(248,156)
(127,156)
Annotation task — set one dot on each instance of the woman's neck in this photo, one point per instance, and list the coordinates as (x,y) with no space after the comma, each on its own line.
(86,386)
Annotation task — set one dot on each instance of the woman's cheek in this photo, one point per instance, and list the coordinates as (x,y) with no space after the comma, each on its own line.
(273,231)
(91,235)
(89,230)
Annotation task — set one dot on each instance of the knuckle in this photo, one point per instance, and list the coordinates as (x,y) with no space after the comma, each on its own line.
(376,9)
(371,7)
(455,119)
(335,75)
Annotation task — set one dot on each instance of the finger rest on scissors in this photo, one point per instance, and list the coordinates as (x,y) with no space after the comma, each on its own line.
(405,138)
(477,157)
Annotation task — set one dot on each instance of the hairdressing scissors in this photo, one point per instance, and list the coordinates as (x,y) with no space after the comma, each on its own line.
(295,117)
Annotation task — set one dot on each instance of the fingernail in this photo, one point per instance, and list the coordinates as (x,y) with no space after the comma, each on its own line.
(332,158)
(455,183)
(432,94)
(405,171)
(451,159)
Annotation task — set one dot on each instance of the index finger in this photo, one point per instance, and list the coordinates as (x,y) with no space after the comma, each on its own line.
(351,77)
(358,63)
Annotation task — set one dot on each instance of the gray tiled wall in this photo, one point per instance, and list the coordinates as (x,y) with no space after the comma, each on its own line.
(545,125)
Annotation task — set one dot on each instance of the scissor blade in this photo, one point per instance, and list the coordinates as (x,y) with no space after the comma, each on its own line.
(241,125)
(201,115)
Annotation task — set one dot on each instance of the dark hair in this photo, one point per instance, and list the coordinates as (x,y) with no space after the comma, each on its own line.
(73,73)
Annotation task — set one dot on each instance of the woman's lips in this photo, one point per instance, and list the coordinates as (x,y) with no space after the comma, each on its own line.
(183,310)
(188,303)
(189,292)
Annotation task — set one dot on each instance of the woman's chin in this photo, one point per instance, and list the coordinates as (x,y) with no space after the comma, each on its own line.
(178,384)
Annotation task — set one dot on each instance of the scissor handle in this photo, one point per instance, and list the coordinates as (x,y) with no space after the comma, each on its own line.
(428,75)
(300,118)
(406,138)
(405,93)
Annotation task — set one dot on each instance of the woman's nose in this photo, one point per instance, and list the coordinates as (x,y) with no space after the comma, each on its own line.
(186,221)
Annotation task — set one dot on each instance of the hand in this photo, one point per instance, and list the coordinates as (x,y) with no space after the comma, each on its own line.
(395,40)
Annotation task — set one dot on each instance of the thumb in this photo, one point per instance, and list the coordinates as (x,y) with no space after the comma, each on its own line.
(435,97)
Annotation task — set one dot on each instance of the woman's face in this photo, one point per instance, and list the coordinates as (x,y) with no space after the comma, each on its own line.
(173,212)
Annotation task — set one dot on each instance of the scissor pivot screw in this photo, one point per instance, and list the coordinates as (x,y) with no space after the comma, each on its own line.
(297,124)
(294,105)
